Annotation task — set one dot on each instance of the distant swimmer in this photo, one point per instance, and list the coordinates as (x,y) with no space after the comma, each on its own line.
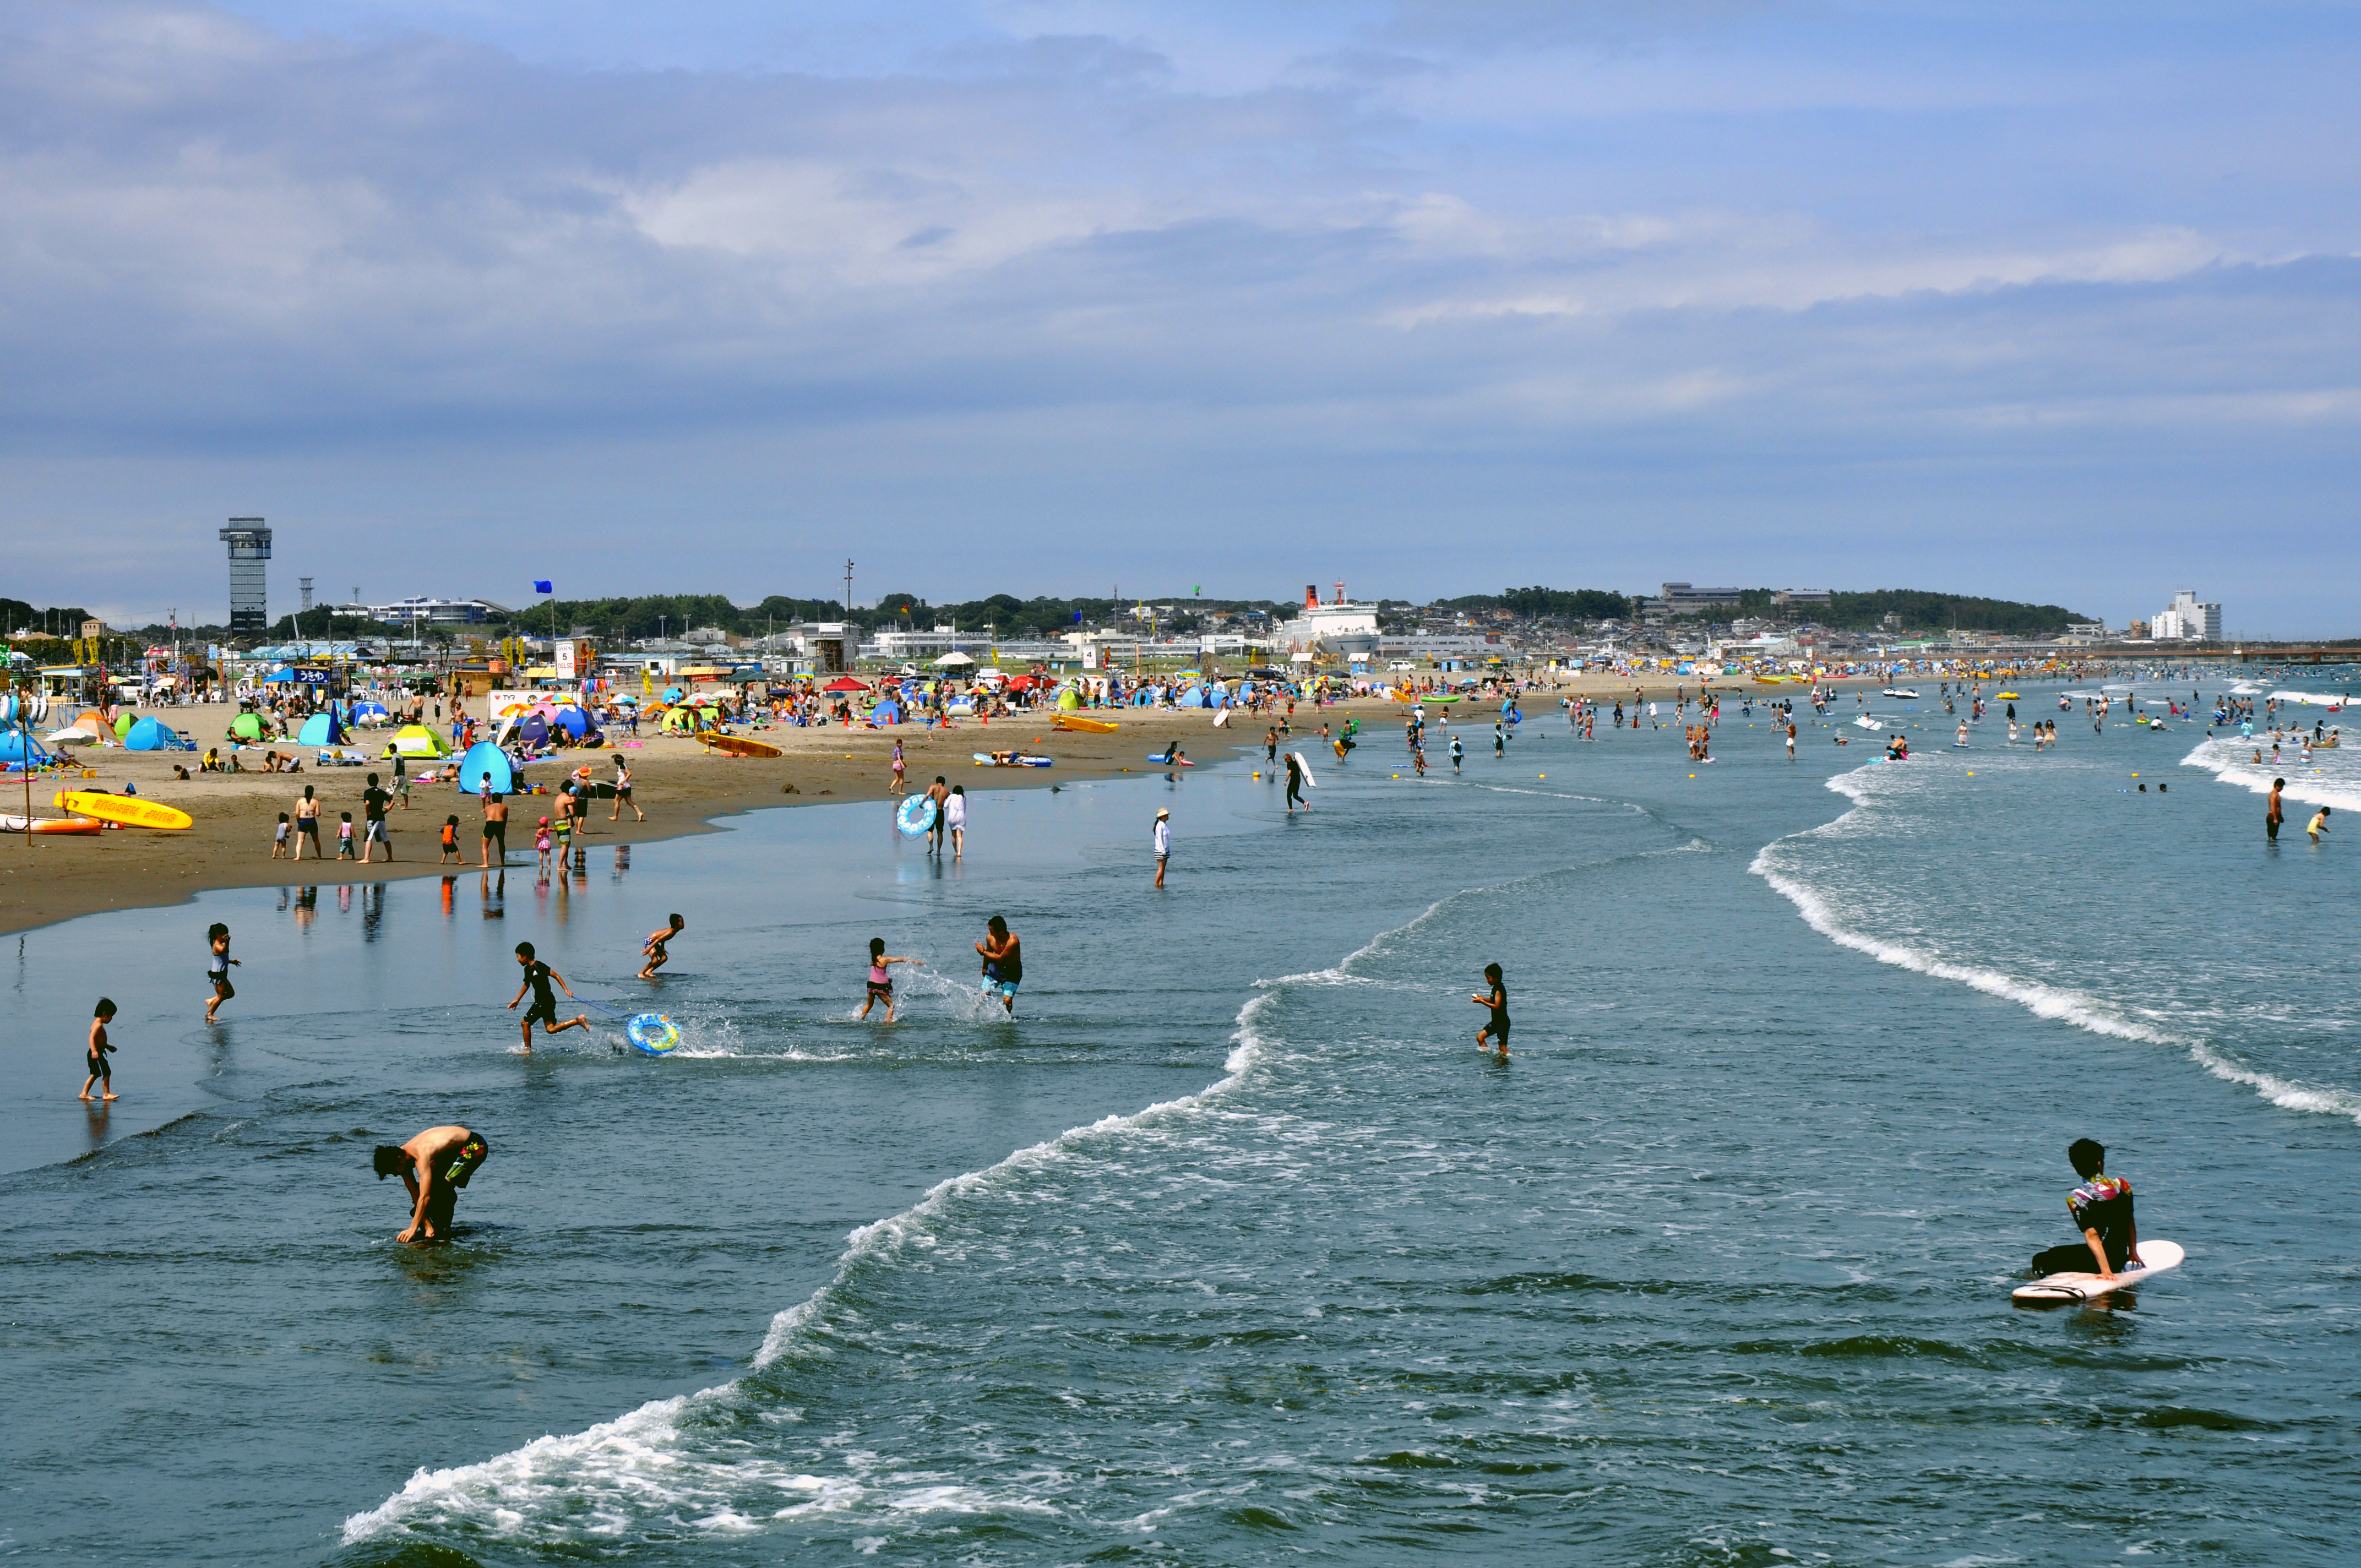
(880,979)
(95,1056)
(434,1165)
(218,968)
(537,978)
(655,949)
(2102,1209)
(1496,999)
(2272,813)
(1003,961)
(2318,827)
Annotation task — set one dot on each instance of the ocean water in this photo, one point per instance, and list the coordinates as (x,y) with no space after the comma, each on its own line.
(1230,1247)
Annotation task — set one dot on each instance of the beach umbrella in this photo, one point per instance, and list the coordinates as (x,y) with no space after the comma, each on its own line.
(672,694)
(845,684)
(954,659)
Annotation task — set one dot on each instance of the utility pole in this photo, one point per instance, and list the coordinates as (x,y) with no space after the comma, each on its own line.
(848,594)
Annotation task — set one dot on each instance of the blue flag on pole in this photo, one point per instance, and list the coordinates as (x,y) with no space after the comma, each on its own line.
(542,586)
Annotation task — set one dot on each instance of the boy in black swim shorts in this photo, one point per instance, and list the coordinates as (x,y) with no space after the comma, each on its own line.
(434,1165)
(537,978)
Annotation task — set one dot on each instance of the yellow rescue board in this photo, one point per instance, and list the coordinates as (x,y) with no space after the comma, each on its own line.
(127,809)
(739,746)
(1096,726)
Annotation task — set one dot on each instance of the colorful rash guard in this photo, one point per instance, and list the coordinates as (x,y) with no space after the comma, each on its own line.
(2104,1203)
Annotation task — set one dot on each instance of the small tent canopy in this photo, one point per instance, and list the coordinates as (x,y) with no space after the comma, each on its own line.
(845,684)
(123,723)
(417,740)
(954,659)
(577,723)
(886,712)
(1069,699)
(149,735)
(486,766)
(245,727)
(281,677)
(15,743)
(366,712)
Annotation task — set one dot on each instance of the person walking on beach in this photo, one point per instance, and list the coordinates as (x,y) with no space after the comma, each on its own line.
(897,787)
(880,978)
(1294,793)
(307,823)
(1271,744)
(279,839)
(937,828)
(1003,961)
(1162,835)
(217,967)
(496,827)
(1496,999)
(2272,813)
(373,804)
(537,978)
(401,787)
(433,1166)
(451,842)
(100,1072)
(654,950)
(623,794)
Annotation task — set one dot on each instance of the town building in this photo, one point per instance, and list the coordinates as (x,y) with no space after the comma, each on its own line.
(2185,619)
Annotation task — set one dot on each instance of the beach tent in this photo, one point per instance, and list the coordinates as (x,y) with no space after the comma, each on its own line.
(886,712)
(245,727)
(845,684)
(1069,700)
(15,743)
(318,730)
(417,740)
(281,677)
(577,723)
(369,712)
(123,723)
(486,766)
(149,735)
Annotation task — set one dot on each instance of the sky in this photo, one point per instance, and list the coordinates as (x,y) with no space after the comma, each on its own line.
(1048,296)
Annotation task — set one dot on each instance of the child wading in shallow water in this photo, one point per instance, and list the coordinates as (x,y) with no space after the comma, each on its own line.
(1496,999)
(99,1071)
(218,968)
(881,983)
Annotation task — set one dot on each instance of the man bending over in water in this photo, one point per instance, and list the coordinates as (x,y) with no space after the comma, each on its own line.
(537,976)
(434,1165)
(2102,1208)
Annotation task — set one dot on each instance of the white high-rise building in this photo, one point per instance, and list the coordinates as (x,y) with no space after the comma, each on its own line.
(2185,619)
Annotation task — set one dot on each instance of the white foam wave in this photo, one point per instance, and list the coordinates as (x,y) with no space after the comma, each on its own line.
(2076,1008)
(646,1463)
(2223,758)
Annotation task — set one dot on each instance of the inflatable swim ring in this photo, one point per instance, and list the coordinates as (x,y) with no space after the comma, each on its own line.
(652,1032)
(915,815)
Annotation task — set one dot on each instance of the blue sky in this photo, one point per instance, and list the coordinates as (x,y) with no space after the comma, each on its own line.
(1052,297)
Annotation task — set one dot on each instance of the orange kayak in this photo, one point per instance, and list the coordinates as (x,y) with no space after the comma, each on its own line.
(52,825)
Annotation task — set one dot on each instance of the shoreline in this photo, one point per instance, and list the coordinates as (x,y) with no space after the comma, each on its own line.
(684,788)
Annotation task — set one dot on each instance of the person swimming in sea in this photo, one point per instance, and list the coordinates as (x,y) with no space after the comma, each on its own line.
(1496,999)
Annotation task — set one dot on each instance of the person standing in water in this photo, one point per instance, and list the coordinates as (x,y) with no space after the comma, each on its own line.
(1496,999)
(537,978)
(1457,752)
(2273,815)
(433,1166)
(1162,834)
(95,1059)
(955,817)
(1294,797)
(880,979)
(654,950)
(938,829)
(218,968)
(2318,828)
(2101,1210)
(1003,961)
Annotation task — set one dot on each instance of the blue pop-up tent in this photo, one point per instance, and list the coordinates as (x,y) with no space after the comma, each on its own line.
(13,744)
(153,735)
(577,723)
(486,766)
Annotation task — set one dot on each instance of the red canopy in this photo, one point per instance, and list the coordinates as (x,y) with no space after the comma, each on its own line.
(1023,684)
(844,683)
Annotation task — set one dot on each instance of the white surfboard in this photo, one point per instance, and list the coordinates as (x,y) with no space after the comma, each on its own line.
(1866,722)
(1220,718)
(2155,1255)
(1308,782)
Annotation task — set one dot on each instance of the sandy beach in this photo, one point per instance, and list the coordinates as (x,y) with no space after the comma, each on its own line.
(682,786)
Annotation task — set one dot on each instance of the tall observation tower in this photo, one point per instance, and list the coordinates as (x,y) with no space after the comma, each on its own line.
(249,547)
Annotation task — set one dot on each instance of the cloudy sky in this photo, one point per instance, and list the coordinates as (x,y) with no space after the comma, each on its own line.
(2052,303)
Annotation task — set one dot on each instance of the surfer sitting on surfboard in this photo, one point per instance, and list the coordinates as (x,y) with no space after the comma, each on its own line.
(2102,1208)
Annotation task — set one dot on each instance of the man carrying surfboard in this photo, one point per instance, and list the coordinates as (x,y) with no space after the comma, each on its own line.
(2102,1208)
